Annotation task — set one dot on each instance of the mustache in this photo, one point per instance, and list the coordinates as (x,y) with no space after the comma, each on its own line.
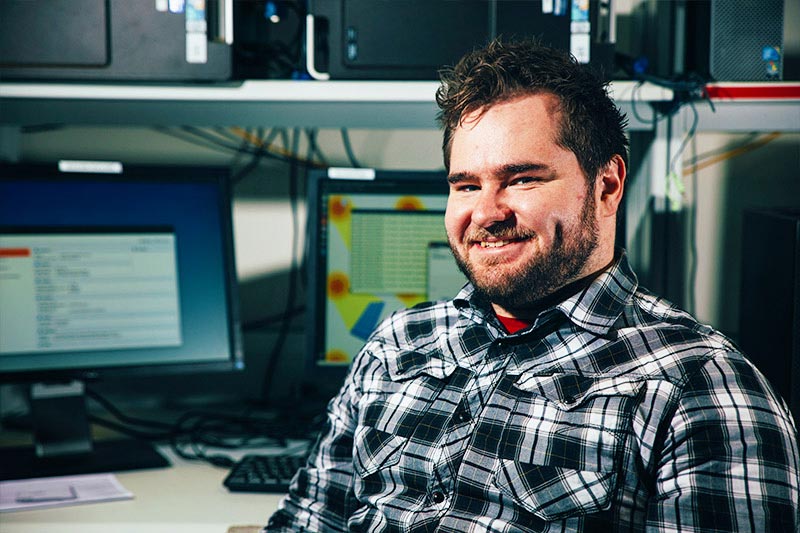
(504,231)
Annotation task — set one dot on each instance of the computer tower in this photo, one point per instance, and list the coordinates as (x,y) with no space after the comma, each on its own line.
(769,331)
(413,39)
(734,40)
(147,40)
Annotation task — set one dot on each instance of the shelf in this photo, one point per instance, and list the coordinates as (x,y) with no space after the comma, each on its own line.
(745,107)
(278,103)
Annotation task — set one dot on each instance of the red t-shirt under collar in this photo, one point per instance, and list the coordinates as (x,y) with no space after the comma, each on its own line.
(513,325)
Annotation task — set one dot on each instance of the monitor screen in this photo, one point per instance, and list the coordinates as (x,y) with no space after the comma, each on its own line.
(376,244)
(109,270)
(110,273)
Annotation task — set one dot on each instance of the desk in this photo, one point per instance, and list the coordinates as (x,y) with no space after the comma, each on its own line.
(186,498)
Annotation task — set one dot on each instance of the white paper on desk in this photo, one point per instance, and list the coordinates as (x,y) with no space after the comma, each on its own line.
(59,491)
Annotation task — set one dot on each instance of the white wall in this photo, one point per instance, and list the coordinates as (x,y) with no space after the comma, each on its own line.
(766,176)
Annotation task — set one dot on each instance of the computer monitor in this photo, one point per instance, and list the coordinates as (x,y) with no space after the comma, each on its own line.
(109,270)
(376,243)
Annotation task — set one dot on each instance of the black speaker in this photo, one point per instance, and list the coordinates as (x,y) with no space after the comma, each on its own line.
(769,329)
(735,40)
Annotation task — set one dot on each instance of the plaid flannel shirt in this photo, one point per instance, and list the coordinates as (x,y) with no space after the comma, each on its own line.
(614,410)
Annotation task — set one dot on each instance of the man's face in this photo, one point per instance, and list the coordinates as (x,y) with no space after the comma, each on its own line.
(520,218)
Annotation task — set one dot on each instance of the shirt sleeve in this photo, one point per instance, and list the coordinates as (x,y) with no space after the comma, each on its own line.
(321,496)
(730,458)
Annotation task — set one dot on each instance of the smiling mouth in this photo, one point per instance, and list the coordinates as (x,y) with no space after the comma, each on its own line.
(498,244)
(494,244)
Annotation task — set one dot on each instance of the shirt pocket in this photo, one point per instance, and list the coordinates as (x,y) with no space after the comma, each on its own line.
(375,450)
(555,493)
(560,453)
(388,418)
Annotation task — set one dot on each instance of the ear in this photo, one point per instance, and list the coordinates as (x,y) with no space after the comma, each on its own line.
(610,185)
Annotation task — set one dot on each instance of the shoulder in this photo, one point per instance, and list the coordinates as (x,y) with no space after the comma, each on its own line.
(703,365)
(416,327)
(412,341)
(668,342)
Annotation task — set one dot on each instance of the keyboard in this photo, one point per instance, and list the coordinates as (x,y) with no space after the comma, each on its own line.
(263,473)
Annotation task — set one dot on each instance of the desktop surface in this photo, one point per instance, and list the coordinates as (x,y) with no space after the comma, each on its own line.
(188,497)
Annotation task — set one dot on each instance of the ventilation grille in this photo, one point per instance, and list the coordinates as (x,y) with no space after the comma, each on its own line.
(740,32)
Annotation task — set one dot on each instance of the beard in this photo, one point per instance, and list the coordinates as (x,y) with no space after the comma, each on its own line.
(547,272)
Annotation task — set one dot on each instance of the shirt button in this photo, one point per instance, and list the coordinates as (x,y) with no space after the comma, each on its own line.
(437,497)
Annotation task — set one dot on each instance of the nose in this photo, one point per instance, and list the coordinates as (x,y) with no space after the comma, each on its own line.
(490,208)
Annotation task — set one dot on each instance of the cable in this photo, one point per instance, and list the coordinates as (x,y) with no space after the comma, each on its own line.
(202,134)
(243,145)
(348,148)
(752,136)
(694,166)
(196,431)
(264,144)
(284,154)
(272,362)
(116,413)
(685,89)
(129,431)
(195,137)
(688,137)
(634,109)
(285,140)
(201,138)
(192,140)
(228,134)
(199,430)
(254,161)
(314,148)
(270,320)
(675,185)
(692,298)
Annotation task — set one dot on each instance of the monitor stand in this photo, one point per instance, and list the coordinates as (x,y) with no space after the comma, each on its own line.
(63,444)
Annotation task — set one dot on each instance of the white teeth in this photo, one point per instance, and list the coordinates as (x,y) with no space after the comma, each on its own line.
(493,244)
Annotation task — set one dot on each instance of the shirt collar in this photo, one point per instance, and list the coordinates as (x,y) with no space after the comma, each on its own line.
(598,307)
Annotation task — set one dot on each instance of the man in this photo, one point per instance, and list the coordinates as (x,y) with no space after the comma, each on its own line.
(552,393)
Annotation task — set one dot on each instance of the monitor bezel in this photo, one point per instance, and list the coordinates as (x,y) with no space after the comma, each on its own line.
(327,379)
(220,177)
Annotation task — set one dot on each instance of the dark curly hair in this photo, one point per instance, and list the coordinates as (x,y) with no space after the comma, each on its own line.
(592,127)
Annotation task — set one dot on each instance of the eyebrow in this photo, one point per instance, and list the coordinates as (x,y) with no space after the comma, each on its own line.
(505,170)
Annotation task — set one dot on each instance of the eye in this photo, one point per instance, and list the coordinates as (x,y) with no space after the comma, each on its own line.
(464,187)
(524,180)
